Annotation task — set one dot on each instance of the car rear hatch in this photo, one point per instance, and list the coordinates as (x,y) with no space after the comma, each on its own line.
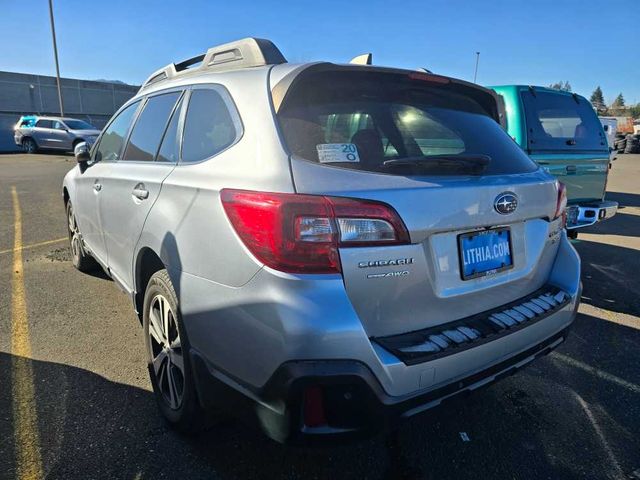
(565,136)
(476,209)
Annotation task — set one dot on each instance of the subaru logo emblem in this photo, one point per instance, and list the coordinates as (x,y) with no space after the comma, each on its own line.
(506,203)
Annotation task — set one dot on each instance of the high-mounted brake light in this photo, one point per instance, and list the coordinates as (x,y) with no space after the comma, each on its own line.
(302,233)
(561,205)
(429,77)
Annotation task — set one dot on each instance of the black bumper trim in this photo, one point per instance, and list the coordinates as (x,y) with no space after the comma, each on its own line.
(483,329)
(357,404)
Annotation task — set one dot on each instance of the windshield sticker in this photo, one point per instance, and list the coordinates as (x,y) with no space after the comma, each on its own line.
(337,152)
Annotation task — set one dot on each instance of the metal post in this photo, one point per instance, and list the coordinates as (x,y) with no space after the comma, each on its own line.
(475,74)
(55,55)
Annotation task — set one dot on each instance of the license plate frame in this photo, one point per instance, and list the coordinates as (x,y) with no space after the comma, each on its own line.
(489,271)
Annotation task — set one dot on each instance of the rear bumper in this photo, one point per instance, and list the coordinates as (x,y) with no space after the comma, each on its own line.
(354,402)
(580,216)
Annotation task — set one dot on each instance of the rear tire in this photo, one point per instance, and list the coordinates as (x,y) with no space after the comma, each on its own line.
(79,257)
(168,357)
(29,145)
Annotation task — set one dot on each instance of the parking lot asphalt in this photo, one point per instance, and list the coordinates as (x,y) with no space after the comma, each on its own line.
(76,402)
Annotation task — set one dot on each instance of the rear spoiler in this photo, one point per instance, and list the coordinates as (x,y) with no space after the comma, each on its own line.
(489,99)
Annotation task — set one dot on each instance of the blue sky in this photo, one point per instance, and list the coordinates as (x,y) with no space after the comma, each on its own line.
(586,42)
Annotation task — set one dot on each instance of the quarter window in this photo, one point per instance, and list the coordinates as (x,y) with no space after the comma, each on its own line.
(149,128)
(209,127)
(112,140)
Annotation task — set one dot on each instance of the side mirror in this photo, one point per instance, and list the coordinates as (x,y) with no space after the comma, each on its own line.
(82,153)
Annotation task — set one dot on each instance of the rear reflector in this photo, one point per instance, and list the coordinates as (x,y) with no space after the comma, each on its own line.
(302,233)
(313,405)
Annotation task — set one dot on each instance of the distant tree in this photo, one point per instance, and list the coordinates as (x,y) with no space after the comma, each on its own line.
(562,86)
(618,102)
(597,100)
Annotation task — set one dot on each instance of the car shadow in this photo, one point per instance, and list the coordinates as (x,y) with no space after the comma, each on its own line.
(610,276)
(624,199)
(531,425)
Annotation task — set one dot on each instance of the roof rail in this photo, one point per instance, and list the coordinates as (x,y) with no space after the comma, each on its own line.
(248,52)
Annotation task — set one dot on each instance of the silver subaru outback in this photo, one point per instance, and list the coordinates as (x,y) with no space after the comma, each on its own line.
(322,249)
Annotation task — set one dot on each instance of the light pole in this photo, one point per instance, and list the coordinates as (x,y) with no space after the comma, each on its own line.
(475,74)
(55,55)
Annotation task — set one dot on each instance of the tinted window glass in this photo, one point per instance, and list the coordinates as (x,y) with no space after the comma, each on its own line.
(58,125)
(208,127)
(112,140)
(170,148)
(147,132)
(79,125)
(561,122)
(396,124)
(44,124)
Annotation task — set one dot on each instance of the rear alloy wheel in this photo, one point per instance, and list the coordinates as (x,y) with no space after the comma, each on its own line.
(79,257)
(166,351)
(168,357)
(29,145)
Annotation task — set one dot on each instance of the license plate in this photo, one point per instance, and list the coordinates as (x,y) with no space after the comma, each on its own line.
(485,252)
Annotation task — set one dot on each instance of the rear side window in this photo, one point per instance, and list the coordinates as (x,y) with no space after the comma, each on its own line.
(58,125)
(209,126)
(557,121)
(149,128)
(112,140)
(44,124)
(170,148)
(396,124)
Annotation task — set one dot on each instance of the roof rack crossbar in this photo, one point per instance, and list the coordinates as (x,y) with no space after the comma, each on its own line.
(185,64)
(245,53)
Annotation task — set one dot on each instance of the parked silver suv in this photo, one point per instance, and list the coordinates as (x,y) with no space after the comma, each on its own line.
(324,249)
(33,133)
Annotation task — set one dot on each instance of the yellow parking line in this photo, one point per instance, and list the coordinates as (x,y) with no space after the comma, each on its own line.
(26,435)
(33,245)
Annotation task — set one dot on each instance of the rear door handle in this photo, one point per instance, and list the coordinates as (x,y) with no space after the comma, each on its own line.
(571,169)
(140,192)
(97,186)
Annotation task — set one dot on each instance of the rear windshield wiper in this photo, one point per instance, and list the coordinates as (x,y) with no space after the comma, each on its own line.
(476,163)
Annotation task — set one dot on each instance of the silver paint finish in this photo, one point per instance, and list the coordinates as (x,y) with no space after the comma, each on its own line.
(246,319)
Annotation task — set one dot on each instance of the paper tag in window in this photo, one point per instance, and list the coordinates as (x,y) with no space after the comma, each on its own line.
(337,152)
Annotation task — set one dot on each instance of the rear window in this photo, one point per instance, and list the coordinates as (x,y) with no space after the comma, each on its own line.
(561,122)
(391,123)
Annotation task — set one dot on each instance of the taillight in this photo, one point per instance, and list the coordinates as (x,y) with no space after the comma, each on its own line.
(302,233)
(561,205)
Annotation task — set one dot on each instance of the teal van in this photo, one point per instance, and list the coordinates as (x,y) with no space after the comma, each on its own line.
(562,133)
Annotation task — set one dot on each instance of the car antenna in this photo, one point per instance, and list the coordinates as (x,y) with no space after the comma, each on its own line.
(364,59)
